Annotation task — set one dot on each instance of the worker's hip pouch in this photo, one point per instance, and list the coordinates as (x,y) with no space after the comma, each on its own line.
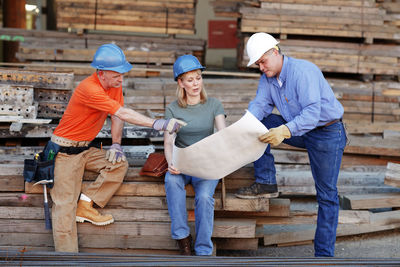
(41,167)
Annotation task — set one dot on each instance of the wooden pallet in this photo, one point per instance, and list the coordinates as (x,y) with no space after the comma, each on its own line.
(361,19)
(169,17)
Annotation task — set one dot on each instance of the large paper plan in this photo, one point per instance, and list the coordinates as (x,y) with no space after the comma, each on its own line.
(223,152)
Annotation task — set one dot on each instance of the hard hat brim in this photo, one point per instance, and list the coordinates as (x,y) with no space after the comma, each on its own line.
(187,70)
(120,69)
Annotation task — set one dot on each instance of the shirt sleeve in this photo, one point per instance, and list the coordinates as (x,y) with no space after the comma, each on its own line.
(218,108)
(309,98)
(262,105)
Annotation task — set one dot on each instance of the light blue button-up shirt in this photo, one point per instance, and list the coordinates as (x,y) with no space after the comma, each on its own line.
(305,99)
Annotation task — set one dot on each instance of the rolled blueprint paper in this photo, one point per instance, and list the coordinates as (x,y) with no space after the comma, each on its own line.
(223,152)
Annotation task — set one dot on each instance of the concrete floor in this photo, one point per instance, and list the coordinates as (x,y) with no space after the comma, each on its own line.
(385,244)
(375,245)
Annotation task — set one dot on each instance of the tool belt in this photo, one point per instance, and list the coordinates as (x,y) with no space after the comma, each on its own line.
(61,141)
(41,167)
(73,150)
(72,147)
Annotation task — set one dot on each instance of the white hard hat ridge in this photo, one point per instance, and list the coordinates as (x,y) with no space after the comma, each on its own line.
(258,44)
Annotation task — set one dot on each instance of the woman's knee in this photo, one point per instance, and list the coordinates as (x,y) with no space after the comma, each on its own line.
(204,197)
(173,181)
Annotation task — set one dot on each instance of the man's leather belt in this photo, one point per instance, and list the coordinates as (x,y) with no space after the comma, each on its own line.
(61,141)
(330,123)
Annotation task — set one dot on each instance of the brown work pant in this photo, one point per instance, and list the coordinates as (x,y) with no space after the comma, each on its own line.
(68,175)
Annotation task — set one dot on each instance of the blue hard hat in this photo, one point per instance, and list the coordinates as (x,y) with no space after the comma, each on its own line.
(186,63)
(110,57)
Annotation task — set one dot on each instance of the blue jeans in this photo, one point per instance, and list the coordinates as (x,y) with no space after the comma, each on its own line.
(203,210)
(325,148)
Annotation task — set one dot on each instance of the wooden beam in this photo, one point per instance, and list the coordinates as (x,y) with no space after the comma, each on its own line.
(370,201)
(392,175)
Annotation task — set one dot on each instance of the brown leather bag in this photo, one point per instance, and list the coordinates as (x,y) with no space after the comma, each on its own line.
(156,165)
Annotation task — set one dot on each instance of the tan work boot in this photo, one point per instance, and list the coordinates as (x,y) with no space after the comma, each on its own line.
(86,212)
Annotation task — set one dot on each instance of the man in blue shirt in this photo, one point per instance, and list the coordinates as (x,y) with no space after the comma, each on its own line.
(310,117)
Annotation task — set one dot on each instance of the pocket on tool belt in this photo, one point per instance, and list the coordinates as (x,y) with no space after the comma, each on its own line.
(30,167)
(45,170)
(37,170)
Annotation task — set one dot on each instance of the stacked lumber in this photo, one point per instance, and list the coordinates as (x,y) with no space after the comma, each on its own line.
(49,92)
(342,57)
(26,96)
(340,37)
(362,19)
(142,223)
(392,8)
(230,8)
(155,16)
(374,101)
(71,52)
(140,211)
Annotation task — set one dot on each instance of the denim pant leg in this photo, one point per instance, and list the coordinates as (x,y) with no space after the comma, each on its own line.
(264,167)
(325,149)
(204,214)
(176,201)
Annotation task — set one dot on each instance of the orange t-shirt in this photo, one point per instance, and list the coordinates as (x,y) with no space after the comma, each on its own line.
(87,110)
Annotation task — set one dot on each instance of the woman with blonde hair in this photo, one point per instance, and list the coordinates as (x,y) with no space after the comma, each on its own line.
(201,113)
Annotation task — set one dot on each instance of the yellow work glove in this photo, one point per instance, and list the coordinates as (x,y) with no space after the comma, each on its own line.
(276,135)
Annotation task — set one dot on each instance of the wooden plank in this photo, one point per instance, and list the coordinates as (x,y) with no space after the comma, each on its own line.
(19,199)
(370,201)
(168,251)
(11,184)
(236,243)
(51,80)
(345,216)
(392,175)
(235,228)
(120,215)
(149,189)
(288,233)
(375,127)
(278,207)
(305,232)
(233,203)
(223,228)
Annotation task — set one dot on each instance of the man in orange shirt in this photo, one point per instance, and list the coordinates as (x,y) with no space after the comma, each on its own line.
(93,100)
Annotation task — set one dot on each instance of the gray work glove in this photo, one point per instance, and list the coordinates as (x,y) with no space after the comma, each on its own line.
(115,154)
(170,125)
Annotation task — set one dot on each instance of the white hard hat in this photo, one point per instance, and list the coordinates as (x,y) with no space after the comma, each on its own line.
(258,44)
